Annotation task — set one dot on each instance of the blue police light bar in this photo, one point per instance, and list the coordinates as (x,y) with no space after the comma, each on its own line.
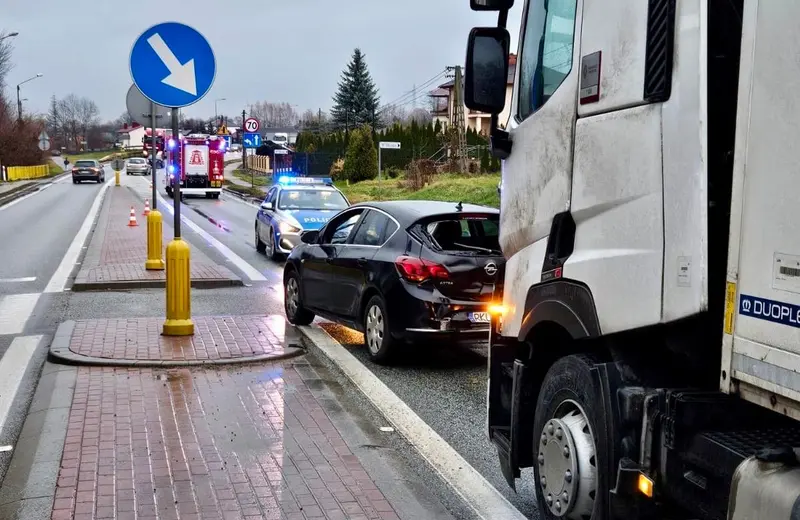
(171,144)
(287,179)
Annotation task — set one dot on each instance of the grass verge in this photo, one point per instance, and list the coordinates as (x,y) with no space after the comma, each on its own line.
(475,189)
(257,180)
(244,190)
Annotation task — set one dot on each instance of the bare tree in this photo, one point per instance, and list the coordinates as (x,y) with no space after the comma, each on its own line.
(420,115)
(5,58)
(78,115)
(391,114)
(274,114)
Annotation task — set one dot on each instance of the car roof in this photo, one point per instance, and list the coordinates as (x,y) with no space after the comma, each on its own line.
(410,211)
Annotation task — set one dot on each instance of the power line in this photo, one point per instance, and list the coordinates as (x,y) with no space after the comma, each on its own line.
(412,94)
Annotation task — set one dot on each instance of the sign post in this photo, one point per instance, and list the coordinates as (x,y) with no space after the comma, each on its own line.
(385,145)
(173,65)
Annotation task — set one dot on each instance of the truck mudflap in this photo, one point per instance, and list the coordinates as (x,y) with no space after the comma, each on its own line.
(766,486)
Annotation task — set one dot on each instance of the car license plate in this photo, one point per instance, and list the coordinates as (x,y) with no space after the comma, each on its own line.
(479,317)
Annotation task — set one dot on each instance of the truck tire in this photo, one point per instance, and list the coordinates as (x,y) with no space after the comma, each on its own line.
(570,444)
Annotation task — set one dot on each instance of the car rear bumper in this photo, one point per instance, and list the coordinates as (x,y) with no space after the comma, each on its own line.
(86,176)
(138,171)
(431,318)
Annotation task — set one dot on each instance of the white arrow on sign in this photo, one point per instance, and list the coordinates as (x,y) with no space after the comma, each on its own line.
(182,77)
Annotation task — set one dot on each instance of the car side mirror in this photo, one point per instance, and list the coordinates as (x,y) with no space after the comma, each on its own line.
(486,75)
(491,5)
(267,206)
(310,237)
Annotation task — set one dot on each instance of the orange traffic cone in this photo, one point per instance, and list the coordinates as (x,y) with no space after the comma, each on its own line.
(146,207)
(132,220)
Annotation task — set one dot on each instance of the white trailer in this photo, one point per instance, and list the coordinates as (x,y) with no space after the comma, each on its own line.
(647,359)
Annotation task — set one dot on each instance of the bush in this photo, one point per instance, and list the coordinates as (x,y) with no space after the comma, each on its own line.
(361,160)
(18,143)
(420,173)
(336,169)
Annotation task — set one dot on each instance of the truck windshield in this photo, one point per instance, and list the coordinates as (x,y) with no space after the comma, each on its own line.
(311,199)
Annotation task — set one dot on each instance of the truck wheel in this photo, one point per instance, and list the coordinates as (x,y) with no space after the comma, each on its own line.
(570,443)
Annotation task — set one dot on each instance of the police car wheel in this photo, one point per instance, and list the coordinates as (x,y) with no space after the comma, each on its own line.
(272,251)
(260,246)
(293,305)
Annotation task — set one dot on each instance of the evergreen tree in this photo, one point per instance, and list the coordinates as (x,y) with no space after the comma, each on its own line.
(361,160)
(356,100)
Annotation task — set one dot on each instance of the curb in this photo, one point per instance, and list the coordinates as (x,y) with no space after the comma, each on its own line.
(18,193)
(60,353)
(124,285)
(479,495)
(238,195)
(29,486)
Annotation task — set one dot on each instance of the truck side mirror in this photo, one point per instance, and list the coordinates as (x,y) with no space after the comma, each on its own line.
(491,5)
(486,75)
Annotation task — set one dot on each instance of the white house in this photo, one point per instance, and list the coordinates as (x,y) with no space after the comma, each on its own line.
(443,106)
(130,137)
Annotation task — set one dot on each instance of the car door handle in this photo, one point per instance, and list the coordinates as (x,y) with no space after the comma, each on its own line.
(361,261)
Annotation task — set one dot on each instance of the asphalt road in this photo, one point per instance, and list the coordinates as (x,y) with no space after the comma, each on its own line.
(445,387)
(36,233)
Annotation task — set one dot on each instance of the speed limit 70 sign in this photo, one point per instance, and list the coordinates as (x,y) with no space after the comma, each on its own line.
(251,125)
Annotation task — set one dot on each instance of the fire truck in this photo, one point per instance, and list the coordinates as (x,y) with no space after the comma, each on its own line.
(148,140)
(199,160)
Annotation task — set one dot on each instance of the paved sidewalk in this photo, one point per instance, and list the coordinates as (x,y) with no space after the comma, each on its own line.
(117,253)
(268,441)
(138,342)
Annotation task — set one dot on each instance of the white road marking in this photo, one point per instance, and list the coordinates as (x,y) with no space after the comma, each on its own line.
(251,272)
(15,280)
(13,366)
(59,279)
(29,195)
(15,309)
(477,492)
(6,448)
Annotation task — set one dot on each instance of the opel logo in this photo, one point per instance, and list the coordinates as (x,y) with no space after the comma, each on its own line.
(491,268)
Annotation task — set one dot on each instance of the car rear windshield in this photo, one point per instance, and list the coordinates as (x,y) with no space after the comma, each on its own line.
(465,234)
(85,164)
(311,199)
(136,161)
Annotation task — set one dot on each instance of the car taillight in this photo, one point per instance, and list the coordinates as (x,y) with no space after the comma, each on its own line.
(418,270)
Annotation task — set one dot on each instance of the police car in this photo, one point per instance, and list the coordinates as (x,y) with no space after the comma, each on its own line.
(293,206)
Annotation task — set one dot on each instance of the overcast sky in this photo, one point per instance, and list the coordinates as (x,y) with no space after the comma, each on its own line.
(291,51)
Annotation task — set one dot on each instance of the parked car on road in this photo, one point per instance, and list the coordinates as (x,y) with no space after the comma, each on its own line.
(293,206)
(137,166)
(400,271)
(88,170)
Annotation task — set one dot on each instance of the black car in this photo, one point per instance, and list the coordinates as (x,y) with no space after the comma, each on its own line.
(88,170)
(399,271)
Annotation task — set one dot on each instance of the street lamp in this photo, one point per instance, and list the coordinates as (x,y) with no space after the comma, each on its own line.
(19,101)
(216,114)
(9,35)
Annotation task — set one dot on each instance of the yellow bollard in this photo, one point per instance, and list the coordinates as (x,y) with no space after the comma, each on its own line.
(116,177)
(154,242)
(179,306)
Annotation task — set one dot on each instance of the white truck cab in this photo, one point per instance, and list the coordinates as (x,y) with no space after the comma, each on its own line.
(648,356)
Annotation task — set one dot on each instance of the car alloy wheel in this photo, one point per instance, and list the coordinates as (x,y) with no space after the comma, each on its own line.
(292,297)
(376,328)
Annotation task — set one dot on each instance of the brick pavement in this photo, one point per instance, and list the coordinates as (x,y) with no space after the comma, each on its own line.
(255,443)
(117,252)
(215,338)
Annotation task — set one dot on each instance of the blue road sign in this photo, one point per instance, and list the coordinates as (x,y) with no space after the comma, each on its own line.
(227,142)
(251,140)
(173,65)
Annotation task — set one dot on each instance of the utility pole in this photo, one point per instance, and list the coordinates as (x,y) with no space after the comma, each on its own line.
(460,123)
(19,107)
(241,133)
